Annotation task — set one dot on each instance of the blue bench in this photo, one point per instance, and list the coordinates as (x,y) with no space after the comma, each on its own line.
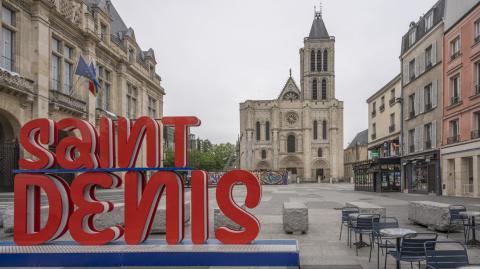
(284,253)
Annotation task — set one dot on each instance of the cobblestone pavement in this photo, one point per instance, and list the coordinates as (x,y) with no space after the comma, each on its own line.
(321,247)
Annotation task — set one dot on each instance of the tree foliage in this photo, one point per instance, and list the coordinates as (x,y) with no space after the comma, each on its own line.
(205,156)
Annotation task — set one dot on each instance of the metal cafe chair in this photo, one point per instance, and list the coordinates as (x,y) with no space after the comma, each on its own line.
(382,241)
(412,248)
(446,257)
(346,211)
(364,225)
(457,219)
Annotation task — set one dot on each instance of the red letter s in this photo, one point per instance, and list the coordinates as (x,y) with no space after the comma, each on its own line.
(234,212)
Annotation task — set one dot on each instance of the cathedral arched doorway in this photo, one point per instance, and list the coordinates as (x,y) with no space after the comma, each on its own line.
(293,165)
(9,149)
(320,170)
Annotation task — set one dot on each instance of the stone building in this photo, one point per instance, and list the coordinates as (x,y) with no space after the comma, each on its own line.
(302,129)
(460,153)
(357,151)
(422,88)
(41,44)
(384,120)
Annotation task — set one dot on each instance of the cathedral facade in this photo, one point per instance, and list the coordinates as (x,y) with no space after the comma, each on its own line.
(302,129)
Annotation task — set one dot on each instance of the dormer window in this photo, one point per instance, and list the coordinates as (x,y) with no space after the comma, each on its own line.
(428,21)
(103,32)
(412,36)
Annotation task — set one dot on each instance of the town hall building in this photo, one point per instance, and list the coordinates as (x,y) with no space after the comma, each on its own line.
(302,129)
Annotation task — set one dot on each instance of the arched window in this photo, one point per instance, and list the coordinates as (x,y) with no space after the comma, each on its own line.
(320,152)
(312,60)
(324,89)
(324,129)
(291,143)
(314,90)
(319,61)
(315,129)
(267,131)
(264,154)
(257,130)
(325,60)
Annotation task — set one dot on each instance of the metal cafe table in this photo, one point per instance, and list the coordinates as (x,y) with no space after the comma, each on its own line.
(396,233)
(471,215)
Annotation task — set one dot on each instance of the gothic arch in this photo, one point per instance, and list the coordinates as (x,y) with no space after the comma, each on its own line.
(314,89)
(9,127)
(324,89)
(319,60)
(325,60)
(312,60)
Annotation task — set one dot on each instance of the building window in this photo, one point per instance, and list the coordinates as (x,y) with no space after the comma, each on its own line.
(312,61)
(56,62)
(455,48)
(411,140)
(412,36)
(324,89)
(455,90)
(131,55)
(428,57)
(477,31)
(428,21)
(103,32)
(105,80)
(132,96)
(476,79)
(374,131)
(392,123)
(264,154)
(8,35)
(257,131)
(315,129)
(320,152)
(152,107)
(319,61)
(291,143)
(382,104)
(411,103)
(476,125)
(267,131)
(374,109)
(428,135)
(411,69)
(392,97)
(454,132)
(427,97)
(324,129)
(325,60)
(314,90)
(67,69)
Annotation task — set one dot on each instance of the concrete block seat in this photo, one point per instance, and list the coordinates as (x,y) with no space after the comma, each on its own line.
(220,220)
(368,208)
(433,215)
(295,217)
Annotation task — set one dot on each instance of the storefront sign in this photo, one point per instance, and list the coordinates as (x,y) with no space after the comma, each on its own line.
(115,147)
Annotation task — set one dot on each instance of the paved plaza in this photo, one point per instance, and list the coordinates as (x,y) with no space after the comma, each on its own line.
(320,247)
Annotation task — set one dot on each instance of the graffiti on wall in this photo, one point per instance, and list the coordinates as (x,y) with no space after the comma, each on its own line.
(266,177)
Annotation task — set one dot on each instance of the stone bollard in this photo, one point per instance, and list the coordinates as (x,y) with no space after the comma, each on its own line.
(295,217)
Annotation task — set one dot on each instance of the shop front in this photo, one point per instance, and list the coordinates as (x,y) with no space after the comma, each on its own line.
(379,175)
(422,173)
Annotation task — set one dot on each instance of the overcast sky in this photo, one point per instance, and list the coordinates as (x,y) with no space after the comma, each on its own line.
(214,54)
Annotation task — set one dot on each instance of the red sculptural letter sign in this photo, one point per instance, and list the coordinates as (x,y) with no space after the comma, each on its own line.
(92,155)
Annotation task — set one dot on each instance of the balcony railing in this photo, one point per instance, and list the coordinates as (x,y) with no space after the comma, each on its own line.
(455,55)
(428,106)
(67,103)
(374,113)
(453,139)
(14,84)
(428,144)
(374,136)
(391,101)
(475,134)
(412,76)
(411,114)
(428,65)
(382,108)
(454,100)
(391,128)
